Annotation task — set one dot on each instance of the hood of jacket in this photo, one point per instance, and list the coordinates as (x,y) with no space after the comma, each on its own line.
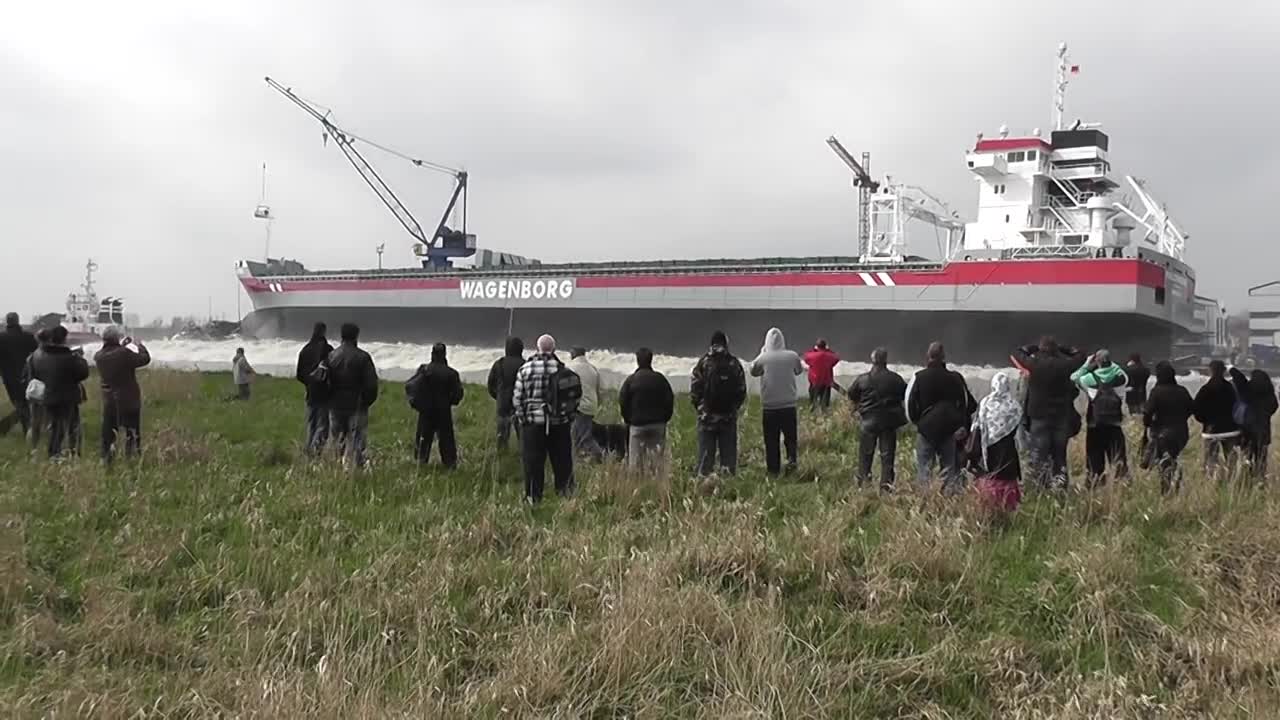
(719,340)
(515,347)
(773,341)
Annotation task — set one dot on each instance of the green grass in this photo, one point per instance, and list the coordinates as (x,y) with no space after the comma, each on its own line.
(222,575)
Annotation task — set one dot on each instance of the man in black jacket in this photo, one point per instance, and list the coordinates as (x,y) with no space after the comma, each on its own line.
(1139,374)
(878,396)
(1164,418)
(434,390)
(316,380)
(502,381)
(1214,408)
(718,389)
(353,388)
(647,406)
(940,405)
(16,345)
(61,370)
(1050,392)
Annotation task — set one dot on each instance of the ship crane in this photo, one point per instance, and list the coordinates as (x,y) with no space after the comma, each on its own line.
(885,208)
(866,187)
(444,243)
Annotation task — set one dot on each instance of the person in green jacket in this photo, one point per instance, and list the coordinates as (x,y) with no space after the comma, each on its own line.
(1104,440)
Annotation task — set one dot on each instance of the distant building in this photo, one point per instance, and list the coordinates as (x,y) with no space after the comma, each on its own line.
(1264,315)
(1209,336)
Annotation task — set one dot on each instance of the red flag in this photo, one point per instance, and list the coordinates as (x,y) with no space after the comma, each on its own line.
(1075,69)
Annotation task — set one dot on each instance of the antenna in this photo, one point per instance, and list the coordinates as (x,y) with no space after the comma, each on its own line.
(381,249)
(1060,86)
(263,212)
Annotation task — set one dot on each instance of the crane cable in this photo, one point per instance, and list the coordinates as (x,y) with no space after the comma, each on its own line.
(328,112)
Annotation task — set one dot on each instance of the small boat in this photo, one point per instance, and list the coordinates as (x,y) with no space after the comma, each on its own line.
(88,315)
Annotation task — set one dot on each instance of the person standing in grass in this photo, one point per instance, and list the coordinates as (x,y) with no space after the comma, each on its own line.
(940,405)
(242,374)
(822,362)
(1259,396)
(718,390)
(313,373)
(502,382)
(1139,374)
(584,442)
(777,367)
(434,390)
(121,396)
(999,415)
(1049,408)
(647,404)
(1104,441)
(353,389)
(39,421)
(544,422)
(1215,409)
(878,396)
(60,371)
(16,345)
(1164,417)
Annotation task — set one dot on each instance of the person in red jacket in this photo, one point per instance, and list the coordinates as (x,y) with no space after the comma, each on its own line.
(822,366)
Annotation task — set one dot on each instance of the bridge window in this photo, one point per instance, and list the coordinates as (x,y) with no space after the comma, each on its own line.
(1017,156)
(1159,296)
(1031,154)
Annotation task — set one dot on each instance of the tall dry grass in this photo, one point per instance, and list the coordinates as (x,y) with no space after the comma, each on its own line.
(205,581)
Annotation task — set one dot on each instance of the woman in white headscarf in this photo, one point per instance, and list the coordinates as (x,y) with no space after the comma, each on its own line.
(999,416)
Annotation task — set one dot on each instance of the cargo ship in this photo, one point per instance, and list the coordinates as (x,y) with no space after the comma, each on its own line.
(1057,247)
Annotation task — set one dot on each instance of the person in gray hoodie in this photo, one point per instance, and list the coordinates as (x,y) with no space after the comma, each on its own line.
(777,367)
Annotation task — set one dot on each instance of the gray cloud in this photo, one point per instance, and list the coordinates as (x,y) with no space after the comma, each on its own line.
(592,130)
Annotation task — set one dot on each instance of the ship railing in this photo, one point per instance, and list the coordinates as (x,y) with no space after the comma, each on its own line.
(1049,251)
(674,268)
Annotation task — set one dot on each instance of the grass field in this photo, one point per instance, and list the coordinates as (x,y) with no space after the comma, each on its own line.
(220,575)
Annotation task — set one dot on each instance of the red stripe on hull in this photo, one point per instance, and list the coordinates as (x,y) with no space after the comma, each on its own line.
(1013,272)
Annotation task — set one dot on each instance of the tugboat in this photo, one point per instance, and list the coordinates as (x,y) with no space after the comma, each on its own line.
(87,315)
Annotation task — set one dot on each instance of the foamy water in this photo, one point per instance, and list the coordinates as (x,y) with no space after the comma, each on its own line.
(397,361)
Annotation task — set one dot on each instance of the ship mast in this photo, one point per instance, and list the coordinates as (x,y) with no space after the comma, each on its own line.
(88,280)
(1060,86)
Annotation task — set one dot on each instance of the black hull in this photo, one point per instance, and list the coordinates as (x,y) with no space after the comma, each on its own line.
(978,338)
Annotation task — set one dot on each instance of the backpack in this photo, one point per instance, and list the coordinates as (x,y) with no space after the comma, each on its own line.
(718,385)
(1108,407)
(564,391)
(414,386)
(35,391)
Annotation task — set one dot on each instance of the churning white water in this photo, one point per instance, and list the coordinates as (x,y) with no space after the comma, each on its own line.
(397,361)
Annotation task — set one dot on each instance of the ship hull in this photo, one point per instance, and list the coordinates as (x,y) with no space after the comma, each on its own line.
(970,337)
(981,309)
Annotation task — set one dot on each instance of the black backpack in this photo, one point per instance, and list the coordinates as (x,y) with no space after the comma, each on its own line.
(414,386)
(1108,407)
(718,383)
(564,392)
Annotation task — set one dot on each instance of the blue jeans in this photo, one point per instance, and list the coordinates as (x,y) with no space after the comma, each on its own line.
(718,438)
(1048,452)
(584,443)
(317,428)
(350,429)
(944,454)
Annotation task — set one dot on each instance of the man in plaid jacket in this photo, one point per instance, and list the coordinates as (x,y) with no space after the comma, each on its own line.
(543,435)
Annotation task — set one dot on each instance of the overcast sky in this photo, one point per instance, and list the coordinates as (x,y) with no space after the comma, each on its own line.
(135,132)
